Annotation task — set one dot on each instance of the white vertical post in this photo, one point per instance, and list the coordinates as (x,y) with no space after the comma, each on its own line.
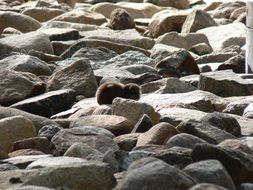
(249,37)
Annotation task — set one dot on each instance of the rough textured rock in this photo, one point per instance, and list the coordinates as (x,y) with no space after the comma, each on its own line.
(207,186)
(128,37)
(38,121)
(61,34)
(204,131)
(221,36)
(35,143)
(225,83)
(18,21)
(184,140)
(47,104)
(133,110)
(127,142)
(200,99)
(81,16)
(48,131)
(182,40)
(25,63)
(66,137)
(158,134)
(143,125)
(60,177)
(137,176)
(166,23)
(237,163)
(42,14)
(118,125)
(78,76)
(120,20)
(197,20)
(224,122)
(16,86)
(235,144)
(210,171)
(236,63)
(201,49)
(24,43)
(14,129)
(181,4)
(179,64)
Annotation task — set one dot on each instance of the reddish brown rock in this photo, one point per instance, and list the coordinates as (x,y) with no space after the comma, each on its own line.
(120,20)
(158,134)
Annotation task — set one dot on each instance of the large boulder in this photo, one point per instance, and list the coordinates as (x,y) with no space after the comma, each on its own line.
(180,4)
(178,64)
(221,36)
(81,16)
(16,86)
(42,14)
(14,129)
(25,63)
(197,20)
(152,173)
(18,21)
(67,137)
(25,42)
(225,83)
(78,76)
(47,104)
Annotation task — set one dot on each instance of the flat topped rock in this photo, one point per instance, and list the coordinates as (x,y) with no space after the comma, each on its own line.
(225,83)
(200,99)
(54,161)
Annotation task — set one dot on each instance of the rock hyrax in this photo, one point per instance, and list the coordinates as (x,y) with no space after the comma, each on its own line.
(110,90)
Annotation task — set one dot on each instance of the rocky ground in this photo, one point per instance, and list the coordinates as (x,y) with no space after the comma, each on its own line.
(192,128)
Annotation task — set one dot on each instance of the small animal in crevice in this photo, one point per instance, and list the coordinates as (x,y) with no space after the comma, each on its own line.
(110,90)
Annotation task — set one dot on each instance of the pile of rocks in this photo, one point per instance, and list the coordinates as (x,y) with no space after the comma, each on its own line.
(190,130)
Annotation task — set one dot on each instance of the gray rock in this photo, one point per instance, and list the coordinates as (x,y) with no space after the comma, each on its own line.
(129,37)
(17,86)
(19,21)
(25,63)
(138,69)
(48,131)
(24,43)
(54,162)
(199,99)
(184,140)
(237,163)
(137,176)
(182,40)
(23,161)
(180,63)
(126,59)
(225,83)
(245,186)
(100,177)
(204,131)
(78,76)
(133,110)
(174,85)
(207,186)
(143,125)
(96,54)
(236,63)
(210,171)
(38,121)
(201,48)
(32,187)
(66,137)
(47,104)
(127,142)
(221,36)
(196,20)
(61,34)
(89,43)
(215,57)
(224,122)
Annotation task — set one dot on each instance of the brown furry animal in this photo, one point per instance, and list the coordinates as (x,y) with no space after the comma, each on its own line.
(110,90)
